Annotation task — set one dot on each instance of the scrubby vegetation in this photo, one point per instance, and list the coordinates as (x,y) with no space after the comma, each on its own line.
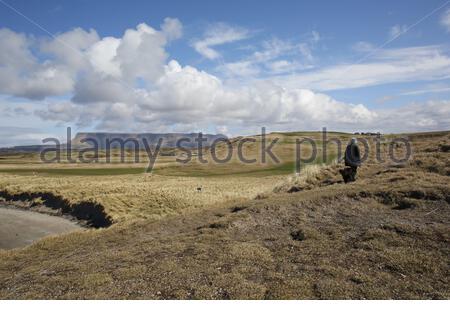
(248,233)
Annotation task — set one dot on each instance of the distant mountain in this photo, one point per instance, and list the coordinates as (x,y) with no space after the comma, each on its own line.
(21,149)
(85,140)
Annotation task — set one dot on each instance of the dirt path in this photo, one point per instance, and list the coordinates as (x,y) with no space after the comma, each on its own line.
(19,228)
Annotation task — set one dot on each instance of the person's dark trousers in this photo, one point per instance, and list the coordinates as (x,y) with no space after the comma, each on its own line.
(353,173)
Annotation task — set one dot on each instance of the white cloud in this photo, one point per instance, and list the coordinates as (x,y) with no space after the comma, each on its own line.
(283,66)
(141,53)
(386,66)
(242,69)
(445,20)
(427,116)
(397,30)
(185,95)
(271,58)
(93,87)
(15,53)
(102,56)
(64,112)
(188,96)
(217,35)
(69,48)
(22,75)
(126,84)
(78,54)
(172,28)
(431,88)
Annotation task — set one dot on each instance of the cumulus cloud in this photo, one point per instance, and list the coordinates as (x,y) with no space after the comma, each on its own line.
(102,56)
(189,96)
(139,55)
(63,112)
(22,75)
(185,97)
(68,49)
(127,84)
(217,35)
(92,88)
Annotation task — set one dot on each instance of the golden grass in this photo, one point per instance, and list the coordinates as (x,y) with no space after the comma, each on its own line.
(171,189)
(173,186)
(143,196)
(383,237)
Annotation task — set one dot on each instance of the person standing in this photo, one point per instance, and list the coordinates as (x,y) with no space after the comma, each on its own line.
(352,159)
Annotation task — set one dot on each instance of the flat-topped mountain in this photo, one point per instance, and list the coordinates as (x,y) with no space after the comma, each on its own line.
(86,139)
(115,139)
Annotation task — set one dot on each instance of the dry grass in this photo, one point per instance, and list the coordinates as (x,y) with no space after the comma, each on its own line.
(386,236)
(171,189)
(144,196)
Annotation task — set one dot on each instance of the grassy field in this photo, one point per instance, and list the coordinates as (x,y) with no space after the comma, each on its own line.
(74,171)
(127,192)
(253,231)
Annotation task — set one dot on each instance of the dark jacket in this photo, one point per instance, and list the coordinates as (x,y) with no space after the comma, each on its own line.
(352,155)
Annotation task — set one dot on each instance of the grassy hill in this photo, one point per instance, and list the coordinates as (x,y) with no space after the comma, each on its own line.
(253,232)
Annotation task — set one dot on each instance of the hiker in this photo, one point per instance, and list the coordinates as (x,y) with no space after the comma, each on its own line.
(352,160)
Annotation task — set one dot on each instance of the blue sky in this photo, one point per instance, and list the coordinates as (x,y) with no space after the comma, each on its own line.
(229,66)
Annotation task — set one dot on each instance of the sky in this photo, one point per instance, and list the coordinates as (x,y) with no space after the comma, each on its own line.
(227,67)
